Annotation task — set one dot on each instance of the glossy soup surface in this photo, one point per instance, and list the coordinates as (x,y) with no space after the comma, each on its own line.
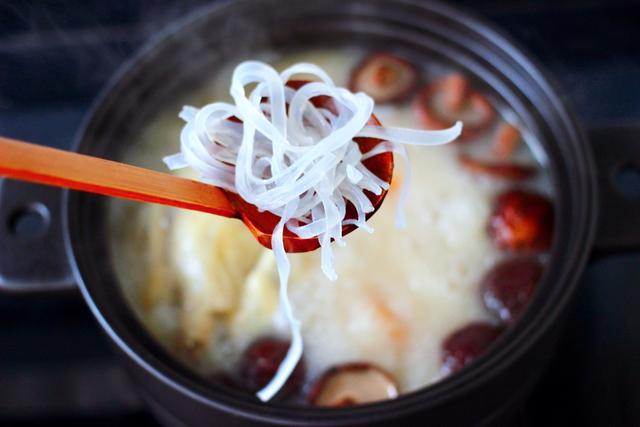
(207,290)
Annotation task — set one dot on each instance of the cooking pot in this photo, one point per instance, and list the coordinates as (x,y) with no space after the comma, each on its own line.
(72,247)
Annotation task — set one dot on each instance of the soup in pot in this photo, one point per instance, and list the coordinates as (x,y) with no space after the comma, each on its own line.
(411,305)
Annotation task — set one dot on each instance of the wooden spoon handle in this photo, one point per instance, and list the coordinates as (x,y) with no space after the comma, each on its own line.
(45,165)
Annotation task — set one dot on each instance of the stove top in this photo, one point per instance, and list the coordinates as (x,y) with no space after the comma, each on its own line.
(56,368)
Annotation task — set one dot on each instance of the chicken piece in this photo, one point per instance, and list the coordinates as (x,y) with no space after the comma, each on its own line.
(213,258)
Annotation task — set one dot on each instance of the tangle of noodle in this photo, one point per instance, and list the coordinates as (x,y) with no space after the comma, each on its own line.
(300,163)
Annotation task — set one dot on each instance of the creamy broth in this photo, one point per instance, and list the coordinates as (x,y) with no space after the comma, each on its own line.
(206,289)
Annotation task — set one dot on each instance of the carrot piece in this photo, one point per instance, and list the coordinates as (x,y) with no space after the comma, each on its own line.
(506,141)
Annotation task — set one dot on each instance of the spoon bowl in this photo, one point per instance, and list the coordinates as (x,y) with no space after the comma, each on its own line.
(261,224)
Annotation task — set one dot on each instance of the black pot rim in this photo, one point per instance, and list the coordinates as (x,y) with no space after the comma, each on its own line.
(511,346)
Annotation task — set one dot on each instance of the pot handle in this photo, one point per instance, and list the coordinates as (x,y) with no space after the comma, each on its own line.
(32,251)
(617,156)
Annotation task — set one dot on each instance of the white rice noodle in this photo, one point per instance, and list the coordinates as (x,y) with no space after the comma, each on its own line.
(295,160)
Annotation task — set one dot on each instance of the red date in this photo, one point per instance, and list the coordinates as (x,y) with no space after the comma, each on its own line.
(509,286)
(385,77)
(441,103)
(522,221)
(466,344)
(261,361)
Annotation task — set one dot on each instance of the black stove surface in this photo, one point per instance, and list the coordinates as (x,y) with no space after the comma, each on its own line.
(56,368)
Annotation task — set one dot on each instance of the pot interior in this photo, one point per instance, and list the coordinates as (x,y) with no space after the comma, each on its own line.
(182,60)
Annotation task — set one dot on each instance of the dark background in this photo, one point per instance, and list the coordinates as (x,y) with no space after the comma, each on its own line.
(56,367)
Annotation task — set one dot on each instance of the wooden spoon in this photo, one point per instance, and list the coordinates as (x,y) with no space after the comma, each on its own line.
(45,165)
